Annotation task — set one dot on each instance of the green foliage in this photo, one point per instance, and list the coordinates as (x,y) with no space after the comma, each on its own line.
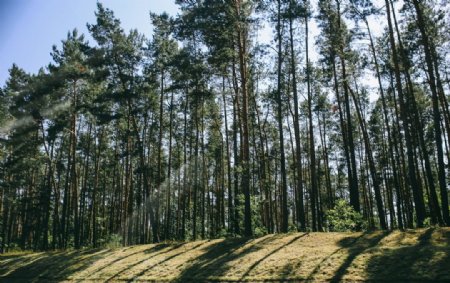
(258,227)
(292,228)
(343,218)
(222,233)
(260,231)
(114,241)
(428,223)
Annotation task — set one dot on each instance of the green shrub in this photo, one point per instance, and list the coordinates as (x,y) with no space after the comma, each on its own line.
(114,241)
(428,223)
(260,231)
(343,218)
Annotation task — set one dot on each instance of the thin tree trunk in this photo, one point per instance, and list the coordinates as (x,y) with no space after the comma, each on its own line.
(392,141)
(372,168)
(284,208)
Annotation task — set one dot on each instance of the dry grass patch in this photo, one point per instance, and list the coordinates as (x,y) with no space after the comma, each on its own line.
(419,255)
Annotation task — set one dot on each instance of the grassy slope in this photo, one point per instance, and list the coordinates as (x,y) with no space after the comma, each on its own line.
(419,255)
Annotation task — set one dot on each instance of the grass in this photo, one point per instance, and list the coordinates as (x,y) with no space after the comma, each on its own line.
(416,255)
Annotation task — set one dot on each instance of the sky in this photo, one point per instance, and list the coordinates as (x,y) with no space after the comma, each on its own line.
(29,28)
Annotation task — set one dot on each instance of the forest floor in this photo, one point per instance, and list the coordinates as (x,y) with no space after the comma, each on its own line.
(415,255)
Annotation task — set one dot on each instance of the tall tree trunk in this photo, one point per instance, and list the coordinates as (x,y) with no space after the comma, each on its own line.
(237,163)
(284,208)
(372,168)
(94,212)
(354,191)
(5,215)
(300,209)
(167,230)
(196,182)
(156,237)
(417,192)
(228,158)
(312,147)
(73,170)
(435,105)
(392,141)
(242,37)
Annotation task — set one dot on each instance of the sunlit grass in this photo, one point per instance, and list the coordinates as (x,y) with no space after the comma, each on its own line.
(416,255)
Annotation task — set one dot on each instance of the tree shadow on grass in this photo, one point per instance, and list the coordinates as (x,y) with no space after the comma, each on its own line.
(47,267)
(214,261)
(428,260)
(141,273)
(8,261)
(344,244)
(349,249)
(219,257)
(357,248)
(153,251)
(259,261)
(59,266)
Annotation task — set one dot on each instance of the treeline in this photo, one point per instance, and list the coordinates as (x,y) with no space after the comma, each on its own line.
(202,131)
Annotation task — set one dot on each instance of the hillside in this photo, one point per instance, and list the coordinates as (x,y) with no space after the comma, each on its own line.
(416,255)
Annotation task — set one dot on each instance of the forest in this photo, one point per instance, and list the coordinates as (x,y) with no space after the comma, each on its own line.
(206,130)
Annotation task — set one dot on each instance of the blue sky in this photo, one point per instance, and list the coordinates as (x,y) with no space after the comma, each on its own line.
(29,28)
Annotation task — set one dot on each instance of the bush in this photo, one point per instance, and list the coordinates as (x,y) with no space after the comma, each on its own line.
(260,231)
(343,218)
(428,223)
(114,241)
